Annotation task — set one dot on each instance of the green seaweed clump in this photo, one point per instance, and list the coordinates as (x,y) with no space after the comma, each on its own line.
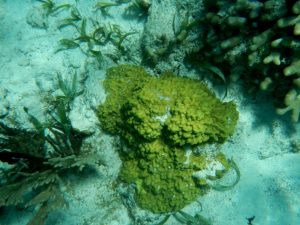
(161,120)
(263,37)
(33,163)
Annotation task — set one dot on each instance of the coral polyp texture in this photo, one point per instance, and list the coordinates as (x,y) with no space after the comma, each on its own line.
(161,120)
(257,40)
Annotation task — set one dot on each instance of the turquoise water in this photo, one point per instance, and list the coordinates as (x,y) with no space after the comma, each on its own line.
(53,63)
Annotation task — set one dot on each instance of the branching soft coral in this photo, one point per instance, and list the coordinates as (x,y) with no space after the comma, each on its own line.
(262,36)
(292,101)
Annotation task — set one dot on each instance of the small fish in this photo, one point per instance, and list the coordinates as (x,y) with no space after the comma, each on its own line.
(250,219)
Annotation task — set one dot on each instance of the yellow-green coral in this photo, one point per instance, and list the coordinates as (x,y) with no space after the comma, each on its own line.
(147,107)
(180,110)
(120,83)
(163,177)
(160,118)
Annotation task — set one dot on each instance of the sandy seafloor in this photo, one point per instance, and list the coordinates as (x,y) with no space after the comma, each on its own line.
(263,145)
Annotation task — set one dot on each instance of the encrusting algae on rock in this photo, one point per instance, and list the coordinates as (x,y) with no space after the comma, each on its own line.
(161,119)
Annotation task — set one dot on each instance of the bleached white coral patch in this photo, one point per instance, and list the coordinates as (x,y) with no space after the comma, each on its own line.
(162,119)
(210,170)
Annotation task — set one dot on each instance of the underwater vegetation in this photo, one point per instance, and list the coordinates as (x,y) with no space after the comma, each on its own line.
(263,36)
(161,120)
(92,35)
(35,162)
(257,41)
(51,7)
